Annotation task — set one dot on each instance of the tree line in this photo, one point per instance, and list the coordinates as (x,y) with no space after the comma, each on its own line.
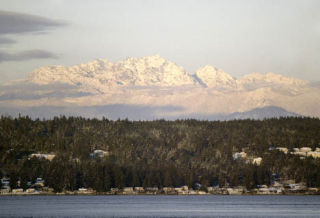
(156,153)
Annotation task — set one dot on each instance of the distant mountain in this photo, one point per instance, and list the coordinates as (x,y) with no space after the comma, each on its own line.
(139,112)
(258,80)
(150,71)
(213,77)
(153,82)
(256,114)
(102,75)
(262,113)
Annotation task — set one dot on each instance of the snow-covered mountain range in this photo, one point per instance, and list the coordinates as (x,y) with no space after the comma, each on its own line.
(162,86)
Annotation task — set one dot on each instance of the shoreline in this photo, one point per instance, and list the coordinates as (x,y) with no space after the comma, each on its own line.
(150,194)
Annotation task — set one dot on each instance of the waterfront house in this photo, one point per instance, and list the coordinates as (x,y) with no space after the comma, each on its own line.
(151,189)
(168,190)
(139,189)
(274,190)
(192,192)
(128,190)
(185,188)
(80,190)
(17,191)
(201,192)
(263,190)
(5,190)
(30,190)
(211,189)
(182,190)
(298,187)
(277,184)
(235,191)
(85,191)
(313,191)
(114,190)
(178,189)
(217,190)
(47,189)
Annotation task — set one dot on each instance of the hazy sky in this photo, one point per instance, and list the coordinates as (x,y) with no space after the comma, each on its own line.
(240,36)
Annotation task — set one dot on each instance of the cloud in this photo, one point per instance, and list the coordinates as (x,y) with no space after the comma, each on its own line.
(4,40)
(30,91)
(112,111)
(26,55)
(15,23)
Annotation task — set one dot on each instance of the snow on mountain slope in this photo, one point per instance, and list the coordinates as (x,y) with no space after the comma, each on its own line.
(156,82)
(103,75)
(151,71)
(215,78)
(254,80)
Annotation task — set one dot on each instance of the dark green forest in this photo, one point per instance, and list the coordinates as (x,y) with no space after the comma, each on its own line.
(156,153)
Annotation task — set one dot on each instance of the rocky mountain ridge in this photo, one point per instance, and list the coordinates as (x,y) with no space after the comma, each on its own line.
(155,82)
(151,71)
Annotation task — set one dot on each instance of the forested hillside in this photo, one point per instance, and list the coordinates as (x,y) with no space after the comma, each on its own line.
(156,153)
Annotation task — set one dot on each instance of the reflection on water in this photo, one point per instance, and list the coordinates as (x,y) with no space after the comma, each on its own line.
(160,206)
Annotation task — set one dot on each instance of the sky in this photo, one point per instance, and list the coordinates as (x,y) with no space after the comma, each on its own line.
(238,36)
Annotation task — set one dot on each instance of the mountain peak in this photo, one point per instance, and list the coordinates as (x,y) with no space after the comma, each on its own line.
(214,77)
(145,71)
(209,68)
(270,79)
(155,57)
(152,80)
(142,63)
(153,70)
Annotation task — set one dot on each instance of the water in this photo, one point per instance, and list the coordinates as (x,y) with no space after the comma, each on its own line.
(160,206)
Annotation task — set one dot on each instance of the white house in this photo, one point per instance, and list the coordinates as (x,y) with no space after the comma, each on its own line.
(257,160)
(283,149)
(139,189)
(128,189)
(30,190)
(235,191)
(239,155)
(99,153)
(152,189)
(45,156)
(305,149)
(314,154)
(185,188)
(168,189)
(17,191)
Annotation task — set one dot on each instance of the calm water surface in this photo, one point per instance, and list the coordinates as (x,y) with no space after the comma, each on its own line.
(160,206)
